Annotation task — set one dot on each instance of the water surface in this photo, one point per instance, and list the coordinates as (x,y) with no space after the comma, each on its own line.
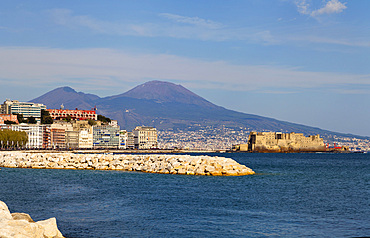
(292,195)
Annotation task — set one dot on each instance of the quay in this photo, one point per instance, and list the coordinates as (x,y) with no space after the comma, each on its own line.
(149,163)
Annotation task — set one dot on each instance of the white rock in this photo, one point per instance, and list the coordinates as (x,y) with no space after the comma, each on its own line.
(4,212)
(51,229)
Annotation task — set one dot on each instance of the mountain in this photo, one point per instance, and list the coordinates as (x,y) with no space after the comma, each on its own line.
(68,97)
(168,106)
(163,92)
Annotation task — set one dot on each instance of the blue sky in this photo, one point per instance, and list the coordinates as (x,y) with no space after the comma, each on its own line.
(303,61)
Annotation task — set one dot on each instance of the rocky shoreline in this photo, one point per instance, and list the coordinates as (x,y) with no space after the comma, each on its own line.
(21,225)
(149,163)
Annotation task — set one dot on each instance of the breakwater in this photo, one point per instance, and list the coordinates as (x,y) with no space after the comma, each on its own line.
(149,163)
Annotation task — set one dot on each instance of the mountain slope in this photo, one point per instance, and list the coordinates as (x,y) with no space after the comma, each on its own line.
(68,97)
(164,92)
(167,106)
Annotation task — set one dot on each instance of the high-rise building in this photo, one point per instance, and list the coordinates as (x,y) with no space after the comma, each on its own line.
(27,109)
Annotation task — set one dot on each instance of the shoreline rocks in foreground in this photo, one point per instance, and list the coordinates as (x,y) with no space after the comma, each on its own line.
(149,163)
(21,225)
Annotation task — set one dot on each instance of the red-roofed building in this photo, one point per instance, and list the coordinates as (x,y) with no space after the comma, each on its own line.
(58,114)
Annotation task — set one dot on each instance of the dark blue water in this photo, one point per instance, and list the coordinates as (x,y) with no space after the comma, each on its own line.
(292,195)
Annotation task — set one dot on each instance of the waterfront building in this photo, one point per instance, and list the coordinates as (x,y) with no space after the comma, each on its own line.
(27,109)
(106,136)
(130,141)
(57,138)
(85,138)
(8,117)
(72,139)
(34,132)
(145,137)
(284,142)
(46,137)
(64,125)
(122,140)
(58,114)
(83,135)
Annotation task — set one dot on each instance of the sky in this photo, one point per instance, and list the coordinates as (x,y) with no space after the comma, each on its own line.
(302,61)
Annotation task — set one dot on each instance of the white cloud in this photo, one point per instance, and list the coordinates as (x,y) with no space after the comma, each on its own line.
(333,6)
(207,30)
(111,69)
(192,21)
(302,6)
(185,28)
(66,17)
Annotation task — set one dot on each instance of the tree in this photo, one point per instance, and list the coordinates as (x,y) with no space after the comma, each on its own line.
(9,122)
(31,120)
(104,119)
(46,118)
(69,118)
(13,139)
(20,118)
(91,122)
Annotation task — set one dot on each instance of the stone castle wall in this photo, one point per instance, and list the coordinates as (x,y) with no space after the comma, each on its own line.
(284,142)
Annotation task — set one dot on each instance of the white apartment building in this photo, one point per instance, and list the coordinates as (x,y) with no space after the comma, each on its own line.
(145,137)
(130,140)
(34,132)
(85,139)
(122,140)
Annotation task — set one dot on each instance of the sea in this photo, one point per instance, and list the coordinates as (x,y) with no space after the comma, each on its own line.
(291,195)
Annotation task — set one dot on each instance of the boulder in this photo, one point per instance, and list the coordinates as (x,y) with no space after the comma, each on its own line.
(4,212)
(21,225)
(20,229)
(22,216)
(51,229)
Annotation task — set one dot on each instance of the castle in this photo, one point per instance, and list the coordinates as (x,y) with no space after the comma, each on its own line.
(282,142)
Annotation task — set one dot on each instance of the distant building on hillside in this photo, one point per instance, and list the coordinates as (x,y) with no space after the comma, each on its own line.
(27,109)
(284,142)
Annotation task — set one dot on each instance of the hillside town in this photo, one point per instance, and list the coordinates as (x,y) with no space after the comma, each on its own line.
(85,129)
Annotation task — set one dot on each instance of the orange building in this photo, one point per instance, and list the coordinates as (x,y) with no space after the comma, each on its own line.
(58,114)
(8,117)
(58,138)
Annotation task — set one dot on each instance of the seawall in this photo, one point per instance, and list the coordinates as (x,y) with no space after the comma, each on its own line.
(149,163)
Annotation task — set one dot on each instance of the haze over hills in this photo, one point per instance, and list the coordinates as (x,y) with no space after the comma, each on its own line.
(167,106)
